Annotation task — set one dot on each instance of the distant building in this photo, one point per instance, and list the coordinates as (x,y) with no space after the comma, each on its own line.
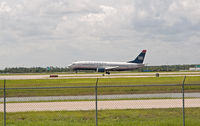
(197,68)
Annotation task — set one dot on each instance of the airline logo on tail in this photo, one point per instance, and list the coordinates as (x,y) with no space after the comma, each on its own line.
(140,58)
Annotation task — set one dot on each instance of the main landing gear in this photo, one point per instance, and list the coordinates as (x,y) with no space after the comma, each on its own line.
(107,72)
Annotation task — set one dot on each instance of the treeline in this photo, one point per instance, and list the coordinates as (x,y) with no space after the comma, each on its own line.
(33,70)
(58,69)
(168,68)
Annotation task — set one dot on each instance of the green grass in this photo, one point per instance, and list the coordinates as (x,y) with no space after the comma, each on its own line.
(144,117)
(102,81)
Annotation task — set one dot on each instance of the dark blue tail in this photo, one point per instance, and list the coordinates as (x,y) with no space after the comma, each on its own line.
(139,58)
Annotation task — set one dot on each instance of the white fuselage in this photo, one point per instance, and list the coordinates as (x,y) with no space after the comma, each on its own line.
(109,66)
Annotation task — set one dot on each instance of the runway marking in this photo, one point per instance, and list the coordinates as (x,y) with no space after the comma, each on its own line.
(102,105)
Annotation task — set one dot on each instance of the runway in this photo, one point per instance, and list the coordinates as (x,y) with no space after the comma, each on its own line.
(113,75)
(102,105)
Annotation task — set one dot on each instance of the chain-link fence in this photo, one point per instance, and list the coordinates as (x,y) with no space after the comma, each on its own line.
(98,102)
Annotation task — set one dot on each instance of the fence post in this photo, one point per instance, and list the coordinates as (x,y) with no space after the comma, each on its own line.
(4,102)
(96,103)
(183,101)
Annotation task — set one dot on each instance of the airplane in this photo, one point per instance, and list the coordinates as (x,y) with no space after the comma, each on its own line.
(102,66)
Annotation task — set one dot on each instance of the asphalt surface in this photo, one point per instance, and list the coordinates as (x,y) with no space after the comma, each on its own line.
(102,105)
(92,97)
(113,75)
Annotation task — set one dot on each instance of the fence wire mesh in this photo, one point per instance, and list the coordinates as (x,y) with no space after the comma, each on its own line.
(58,102)
(1,103)
(49,110)
(192,105)
(139,104)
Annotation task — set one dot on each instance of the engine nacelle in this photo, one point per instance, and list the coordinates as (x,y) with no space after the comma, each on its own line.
(100,69)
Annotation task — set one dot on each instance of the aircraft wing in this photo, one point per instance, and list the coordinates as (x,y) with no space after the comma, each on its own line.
(111,67)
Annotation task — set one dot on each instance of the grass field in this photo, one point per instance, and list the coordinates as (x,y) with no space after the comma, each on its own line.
(67,73)
(102,81)
(144,117)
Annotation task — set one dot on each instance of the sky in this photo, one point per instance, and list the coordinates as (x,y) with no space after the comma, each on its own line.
(41,33)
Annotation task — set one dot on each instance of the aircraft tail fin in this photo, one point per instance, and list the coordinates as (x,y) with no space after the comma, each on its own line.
(139,58)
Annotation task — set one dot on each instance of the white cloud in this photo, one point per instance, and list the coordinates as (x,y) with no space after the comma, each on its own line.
(94,18)
(188,9)
(4,8)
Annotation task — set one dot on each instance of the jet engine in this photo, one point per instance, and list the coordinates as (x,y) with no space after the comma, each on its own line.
(100,69)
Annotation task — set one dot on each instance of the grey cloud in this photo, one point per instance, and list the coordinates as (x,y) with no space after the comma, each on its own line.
(90,30)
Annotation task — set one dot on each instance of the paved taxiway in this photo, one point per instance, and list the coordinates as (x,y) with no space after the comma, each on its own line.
(113,75)
(102,105)
(92,97)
